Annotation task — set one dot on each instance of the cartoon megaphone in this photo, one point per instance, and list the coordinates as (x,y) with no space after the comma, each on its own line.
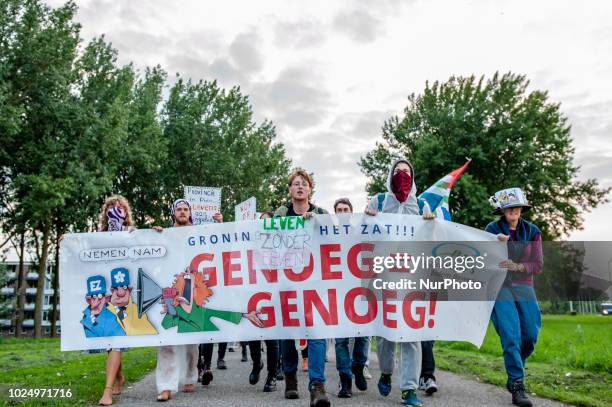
(148,292)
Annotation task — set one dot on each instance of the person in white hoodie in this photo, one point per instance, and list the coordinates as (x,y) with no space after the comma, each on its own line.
(401,198)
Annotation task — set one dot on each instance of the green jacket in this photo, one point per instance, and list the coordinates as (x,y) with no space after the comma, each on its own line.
(199,319)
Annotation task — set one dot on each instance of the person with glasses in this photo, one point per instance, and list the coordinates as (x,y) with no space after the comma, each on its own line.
(300,187)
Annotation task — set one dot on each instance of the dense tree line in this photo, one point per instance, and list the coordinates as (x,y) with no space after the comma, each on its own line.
(75,126)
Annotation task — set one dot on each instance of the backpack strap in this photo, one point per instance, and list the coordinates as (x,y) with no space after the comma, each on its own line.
(381,201)
(281,212)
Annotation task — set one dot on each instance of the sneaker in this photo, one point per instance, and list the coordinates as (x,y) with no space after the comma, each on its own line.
(305,364)
(384,384)
(428,385)
(280,375)
(366,372)
(409,398)
(270,384)
(221,364)
(518,394)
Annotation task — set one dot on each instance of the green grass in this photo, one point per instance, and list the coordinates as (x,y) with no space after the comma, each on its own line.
(28,363)
(572,361)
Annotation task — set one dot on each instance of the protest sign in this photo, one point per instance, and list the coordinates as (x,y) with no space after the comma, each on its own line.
(246,210)
(198,284)
(205,202)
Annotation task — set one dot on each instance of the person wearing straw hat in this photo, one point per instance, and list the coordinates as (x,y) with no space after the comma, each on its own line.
(516,314)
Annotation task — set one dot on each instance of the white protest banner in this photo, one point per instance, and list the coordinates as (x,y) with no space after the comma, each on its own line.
(205,202)
(246,210)
(200,284)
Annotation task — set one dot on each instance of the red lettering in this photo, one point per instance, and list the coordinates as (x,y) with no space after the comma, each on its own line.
(329,315)
(327,261)
(306,272)
(211,272)
(287,309)
(270,275)
(252,275)
(366,261)
(267,311)
(349,305)
(229,268)
(407,310)
(389,308)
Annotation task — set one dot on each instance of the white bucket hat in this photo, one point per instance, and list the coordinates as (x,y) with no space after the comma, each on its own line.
(509,198)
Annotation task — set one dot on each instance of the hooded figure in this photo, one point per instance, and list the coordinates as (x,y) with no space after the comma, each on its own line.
(401,198)
(398,186)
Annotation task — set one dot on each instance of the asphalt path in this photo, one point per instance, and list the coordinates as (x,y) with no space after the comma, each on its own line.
(231,388)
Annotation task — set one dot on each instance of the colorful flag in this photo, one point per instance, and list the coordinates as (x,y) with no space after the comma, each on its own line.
(435,198)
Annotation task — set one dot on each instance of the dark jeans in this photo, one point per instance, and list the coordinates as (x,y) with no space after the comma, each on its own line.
(206,351)
(272,353)
(344,361)
(428,362)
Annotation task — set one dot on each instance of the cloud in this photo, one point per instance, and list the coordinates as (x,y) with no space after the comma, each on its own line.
(299,34)
(295,98)
(224,71)
(245,53)
(595,166)
(333,155)
(364,126)
(138,44)
(203,56)
(358,25)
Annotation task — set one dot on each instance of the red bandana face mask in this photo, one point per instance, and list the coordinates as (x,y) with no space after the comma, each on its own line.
(401,184)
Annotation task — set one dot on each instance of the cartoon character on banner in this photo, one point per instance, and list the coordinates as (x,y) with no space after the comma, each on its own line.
(97,320)
(186,310)
(124,309)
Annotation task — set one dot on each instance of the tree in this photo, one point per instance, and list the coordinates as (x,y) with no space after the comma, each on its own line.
(75,127)
(213,141)
(73,124)
(515,138)
(38,51)
(144,157)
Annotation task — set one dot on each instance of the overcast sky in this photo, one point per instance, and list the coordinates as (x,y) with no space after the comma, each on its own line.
(328,73)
